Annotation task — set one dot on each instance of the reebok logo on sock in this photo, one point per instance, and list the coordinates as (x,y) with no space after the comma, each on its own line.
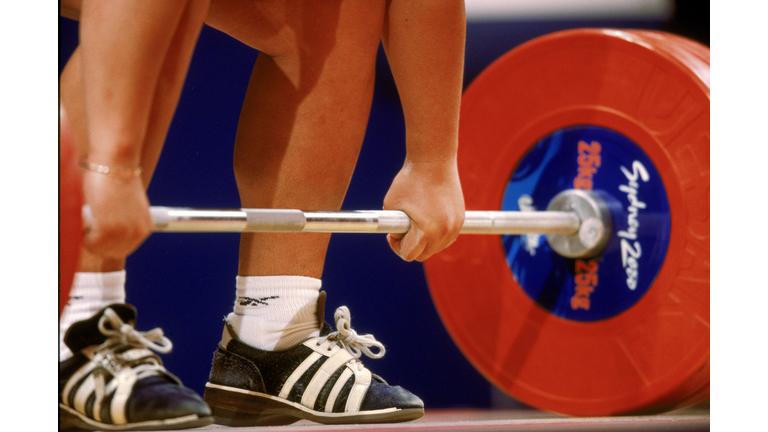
(248,301)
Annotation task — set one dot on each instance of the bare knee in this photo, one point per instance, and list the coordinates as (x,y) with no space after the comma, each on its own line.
(282,28)
(70,9)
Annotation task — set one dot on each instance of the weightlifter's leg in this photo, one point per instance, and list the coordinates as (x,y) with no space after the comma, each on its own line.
(301,127)
(300,132)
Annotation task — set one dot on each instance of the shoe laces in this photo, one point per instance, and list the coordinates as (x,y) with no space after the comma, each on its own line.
(124,338)
(354,343)
(125,333)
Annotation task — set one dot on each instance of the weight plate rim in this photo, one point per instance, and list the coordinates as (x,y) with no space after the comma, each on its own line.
(686,52)
(697,61)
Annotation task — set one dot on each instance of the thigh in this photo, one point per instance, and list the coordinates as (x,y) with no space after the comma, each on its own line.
(306,109)
(280,28)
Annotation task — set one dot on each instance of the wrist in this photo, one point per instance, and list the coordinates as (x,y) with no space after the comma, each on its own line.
(115,171)
(439,145)
(427,160)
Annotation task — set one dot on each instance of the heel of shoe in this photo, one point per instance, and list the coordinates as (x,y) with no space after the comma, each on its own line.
(226,417)
(237,408)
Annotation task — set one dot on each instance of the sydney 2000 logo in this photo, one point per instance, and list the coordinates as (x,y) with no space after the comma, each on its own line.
(630,247)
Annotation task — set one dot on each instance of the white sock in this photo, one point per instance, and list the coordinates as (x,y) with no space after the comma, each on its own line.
(275,313)
(90,293)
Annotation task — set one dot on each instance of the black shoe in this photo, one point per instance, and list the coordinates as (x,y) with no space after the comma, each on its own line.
(320,380)
(114,381)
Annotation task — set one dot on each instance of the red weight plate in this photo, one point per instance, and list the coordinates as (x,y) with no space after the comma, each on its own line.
(70,216)
(655,355)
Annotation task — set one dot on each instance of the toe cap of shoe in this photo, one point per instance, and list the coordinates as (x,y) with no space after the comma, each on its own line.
(382,396)
(158,399)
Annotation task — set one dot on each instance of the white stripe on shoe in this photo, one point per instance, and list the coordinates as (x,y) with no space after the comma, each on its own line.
(337,389)
(359,388)
(297,373)
(337,357)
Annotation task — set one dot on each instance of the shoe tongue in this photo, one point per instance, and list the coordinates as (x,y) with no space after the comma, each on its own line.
(83,334)
(325,328)
(321,308)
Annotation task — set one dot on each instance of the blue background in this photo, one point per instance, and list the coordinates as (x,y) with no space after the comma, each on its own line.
(184,283)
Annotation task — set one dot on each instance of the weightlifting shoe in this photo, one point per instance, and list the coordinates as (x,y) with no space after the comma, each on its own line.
(321,379)
(115,382)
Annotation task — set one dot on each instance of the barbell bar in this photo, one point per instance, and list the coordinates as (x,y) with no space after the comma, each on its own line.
(168,219)
(195,220)
(577,223)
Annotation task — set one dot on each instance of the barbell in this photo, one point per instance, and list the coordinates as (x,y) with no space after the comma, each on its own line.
(599,304)
(578,222)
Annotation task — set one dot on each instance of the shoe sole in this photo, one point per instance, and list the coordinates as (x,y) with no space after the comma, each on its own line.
(69,418)
(237,407)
